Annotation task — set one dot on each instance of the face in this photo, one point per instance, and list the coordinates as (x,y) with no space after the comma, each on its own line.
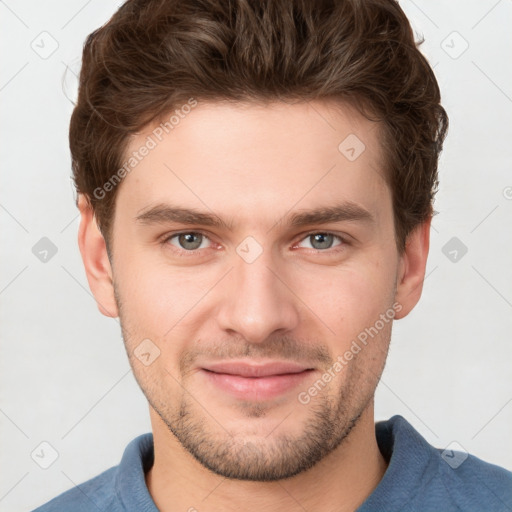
(256,276)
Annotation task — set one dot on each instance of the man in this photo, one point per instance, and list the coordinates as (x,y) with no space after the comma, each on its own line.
(255,185)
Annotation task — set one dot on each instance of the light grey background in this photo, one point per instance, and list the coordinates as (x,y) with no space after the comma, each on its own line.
(65,378)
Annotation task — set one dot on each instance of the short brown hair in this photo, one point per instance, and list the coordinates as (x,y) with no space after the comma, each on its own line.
(154,55)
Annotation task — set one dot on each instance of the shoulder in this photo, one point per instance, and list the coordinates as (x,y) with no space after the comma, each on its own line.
(422,477)
(115,487)
(98,493)
(473,483)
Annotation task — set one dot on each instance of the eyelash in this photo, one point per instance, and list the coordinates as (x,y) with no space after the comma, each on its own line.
(185,253)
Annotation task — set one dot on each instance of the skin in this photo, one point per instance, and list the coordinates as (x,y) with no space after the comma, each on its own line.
(254,165)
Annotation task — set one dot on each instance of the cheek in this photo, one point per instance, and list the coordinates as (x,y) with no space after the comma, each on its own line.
(348,298)
(159,301)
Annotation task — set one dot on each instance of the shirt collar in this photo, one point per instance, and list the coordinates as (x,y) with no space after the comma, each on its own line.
(130,485)
(408,455)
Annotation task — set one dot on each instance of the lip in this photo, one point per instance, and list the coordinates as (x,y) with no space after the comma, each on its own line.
(256,382)
(244,369)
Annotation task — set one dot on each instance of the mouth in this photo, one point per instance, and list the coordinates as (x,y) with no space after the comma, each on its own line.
(256,381)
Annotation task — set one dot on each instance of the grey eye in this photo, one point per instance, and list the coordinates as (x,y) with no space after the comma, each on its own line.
(189,241)
(321,241)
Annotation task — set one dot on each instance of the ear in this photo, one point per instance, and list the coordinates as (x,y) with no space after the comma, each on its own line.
(95,257)
(411,268)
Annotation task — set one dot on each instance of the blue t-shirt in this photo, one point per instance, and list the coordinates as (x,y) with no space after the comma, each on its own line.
(419,478)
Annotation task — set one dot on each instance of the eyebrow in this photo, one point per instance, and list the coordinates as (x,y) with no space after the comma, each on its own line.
(164,213)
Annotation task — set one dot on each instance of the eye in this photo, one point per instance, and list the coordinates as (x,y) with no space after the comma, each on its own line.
(188,241)
(322,241)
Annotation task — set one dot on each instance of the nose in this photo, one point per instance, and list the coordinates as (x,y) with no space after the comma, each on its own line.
(257,301)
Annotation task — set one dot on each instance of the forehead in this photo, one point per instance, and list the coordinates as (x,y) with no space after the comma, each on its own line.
(248,158)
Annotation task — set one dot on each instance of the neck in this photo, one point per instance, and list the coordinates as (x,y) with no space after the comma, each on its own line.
(340,482)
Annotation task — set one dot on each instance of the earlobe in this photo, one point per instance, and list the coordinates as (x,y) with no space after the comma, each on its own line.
(412,265)
(95,258)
